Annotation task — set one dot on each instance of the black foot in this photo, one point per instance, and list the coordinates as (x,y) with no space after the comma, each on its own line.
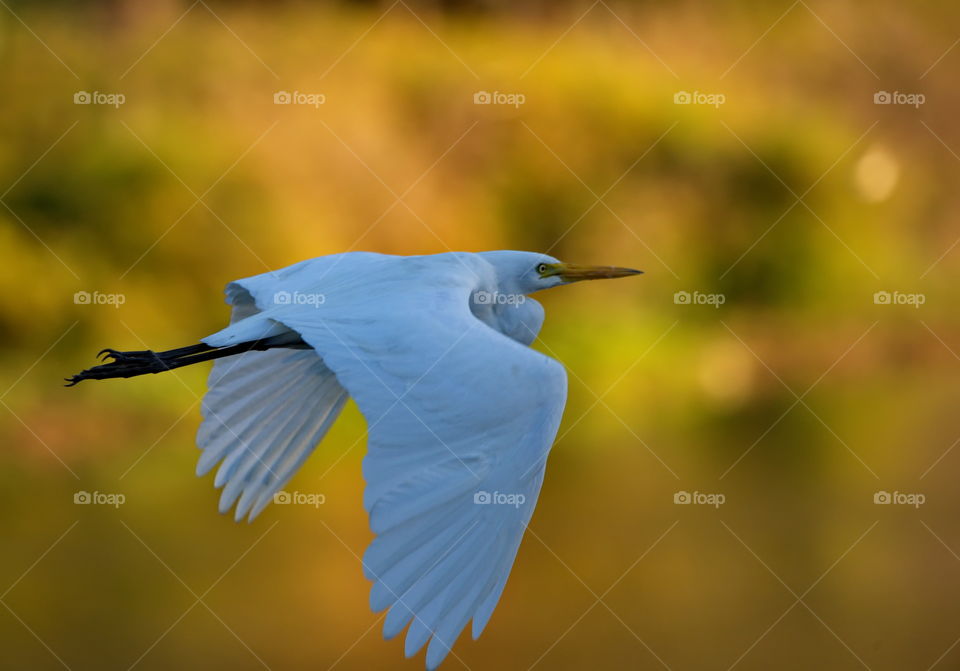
(123,357)
(123,364)
(140,362)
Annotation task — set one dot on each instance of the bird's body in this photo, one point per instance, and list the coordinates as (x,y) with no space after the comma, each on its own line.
(461,413)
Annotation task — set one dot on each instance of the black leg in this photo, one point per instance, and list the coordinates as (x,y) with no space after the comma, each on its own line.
(142,362)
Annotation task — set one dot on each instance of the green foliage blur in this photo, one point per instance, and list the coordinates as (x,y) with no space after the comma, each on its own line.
(798,394)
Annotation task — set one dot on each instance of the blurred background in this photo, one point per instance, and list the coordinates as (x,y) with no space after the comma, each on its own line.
(755,468)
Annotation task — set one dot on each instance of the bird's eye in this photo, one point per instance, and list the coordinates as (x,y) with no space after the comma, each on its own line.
(542,268)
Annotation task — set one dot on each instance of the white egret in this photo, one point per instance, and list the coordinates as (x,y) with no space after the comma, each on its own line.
(460,412)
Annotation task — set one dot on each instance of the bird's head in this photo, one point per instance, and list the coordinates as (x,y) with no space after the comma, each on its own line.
(527,272)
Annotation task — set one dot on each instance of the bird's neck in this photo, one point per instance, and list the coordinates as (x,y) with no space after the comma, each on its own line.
(515,315)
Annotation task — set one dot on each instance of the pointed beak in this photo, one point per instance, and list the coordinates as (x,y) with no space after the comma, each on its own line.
(571,272)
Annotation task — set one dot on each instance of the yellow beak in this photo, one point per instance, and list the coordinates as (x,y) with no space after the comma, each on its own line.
(571,272)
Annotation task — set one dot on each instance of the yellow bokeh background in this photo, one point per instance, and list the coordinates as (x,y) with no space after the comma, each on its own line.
(795,198)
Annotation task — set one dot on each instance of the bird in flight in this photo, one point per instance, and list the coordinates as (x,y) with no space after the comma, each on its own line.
(461,413)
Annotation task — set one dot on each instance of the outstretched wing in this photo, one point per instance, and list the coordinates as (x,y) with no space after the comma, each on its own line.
(263,415)
(460,421)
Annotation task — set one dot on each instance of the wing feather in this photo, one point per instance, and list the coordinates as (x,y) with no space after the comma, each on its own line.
(264,413)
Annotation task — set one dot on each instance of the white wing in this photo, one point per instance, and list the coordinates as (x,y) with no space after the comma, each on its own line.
(460,421)
(264,413)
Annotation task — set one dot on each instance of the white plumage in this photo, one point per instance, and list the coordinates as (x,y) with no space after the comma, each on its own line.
(461,414)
